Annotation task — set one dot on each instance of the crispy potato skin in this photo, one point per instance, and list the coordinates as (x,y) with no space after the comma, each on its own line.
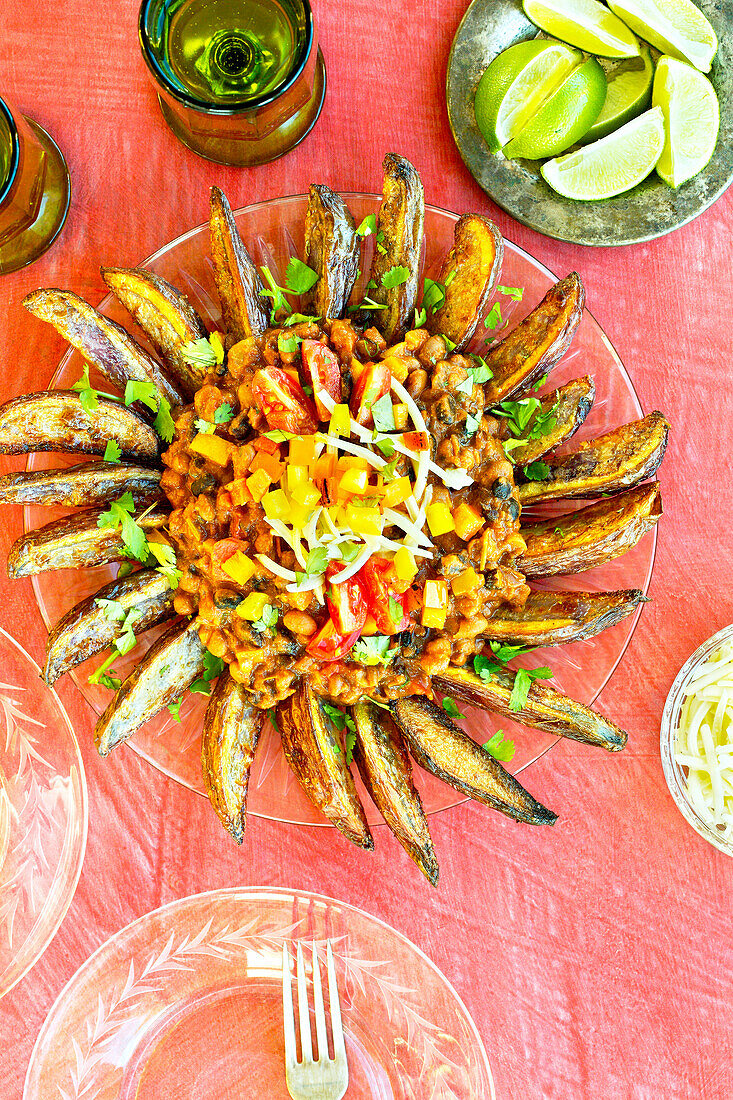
(617,460)
(54,420)
(73,542)
(82,486)
(237,281)
(400,221)
(85,630)
(166,317)
(571,404)
(161,677)
(331,249)
(385,769)
(552,618)
(103,343)
(545,709)
(439,746)
(469,273)
(231,731)
(592,535)
(317,757)
(538,342)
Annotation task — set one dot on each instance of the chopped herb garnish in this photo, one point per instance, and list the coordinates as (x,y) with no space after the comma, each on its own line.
(506,653)
(279,436)
(450,344)
(559,531)
(383,413)
(515,292)
(420,317)
(433,295)
(396,611)
(288,344)
(299,319)
(268,619)
(316,561)
(223,414)
(165,556)
(451,709)
(481,370)
(204,352)
(367,226)
(119,515)
(374,650)
(149,394)
(385,445)
(540,383)
(349,551)
(389,472)
(275,293)
(523,681)
(272,715)
(205,427)
(344,723)
(88,396)
(175,709)
(472,424)
(112,452)
(308,391)
(396,276)
(536,471)
(213,667)
(494,317)
(299,278)
(499,747)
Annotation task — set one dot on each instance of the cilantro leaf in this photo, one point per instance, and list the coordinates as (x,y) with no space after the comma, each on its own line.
(299,277)
(205,427)
(223,414)
(472,424)
(499,747)
(383,413)
(349,551)
(119,515)
(420,317)
(288,344)
(385,445)
(494,317)
(299,319)
(203,352)
(164,423)
(374,650)
(165,556)
(316,561)
(272,715)
(540,382)
(213,667)
(523,681)
(450,344)
(279,436)
(484,668)
(112,610)
(344,723)
(112,452)
(175,709)
(451,709)
(396,276)
(536,471)
(268,619)
(389,472)
(515,292)
(367,226)
(88,396)
(559,531)
(275,293)
(396,611)
(433,295)
(505,653)
(481,370)
(150,396)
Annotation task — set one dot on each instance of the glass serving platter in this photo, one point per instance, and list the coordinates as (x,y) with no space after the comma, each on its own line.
(273,231)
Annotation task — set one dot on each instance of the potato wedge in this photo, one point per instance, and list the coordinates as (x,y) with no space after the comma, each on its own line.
(618,460)
(331,249)
(73,542)
(166,317)
(82,486)
(545,709)
(565,410)
(163,674)
(102,342)
(553,618)
(400,223)
(231,731)
(55,420)
(538,342)
(316,755)
(469,274)
(237,281)
(88,629)
(591,536)
(385,769)
(439,746)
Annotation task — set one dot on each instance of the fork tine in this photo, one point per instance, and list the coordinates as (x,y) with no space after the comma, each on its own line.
(288,1015)
(339,1048)
(303,1012)
(321,1033)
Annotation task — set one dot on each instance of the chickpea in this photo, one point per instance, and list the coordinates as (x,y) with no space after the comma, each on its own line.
(299,622)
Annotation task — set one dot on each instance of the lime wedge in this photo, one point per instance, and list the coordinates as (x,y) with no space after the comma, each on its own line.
(629,92)
(675,27)
(583,23)
(515,86)
(564,117)
(691,119)
(612,165)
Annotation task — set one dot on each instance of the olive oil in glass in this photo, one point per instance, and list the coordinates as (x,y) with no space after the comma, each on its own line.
(239,81)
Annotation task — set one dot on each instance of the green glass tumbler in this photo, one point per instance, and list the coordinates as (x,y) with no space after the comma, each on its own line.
(35,190)
(239,82)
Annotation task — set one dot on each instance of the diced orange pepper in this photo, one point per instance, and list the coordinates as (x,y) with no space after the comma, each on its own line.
(467,581)
(468,521)
(324,467)
(270,464)
(243,459)
(397,491)
(214,448)
(258,484)
(269,446)
(240,492)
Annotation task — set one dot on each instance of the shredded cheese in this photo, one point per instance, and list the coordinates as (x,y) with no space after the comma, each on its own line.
(704,740)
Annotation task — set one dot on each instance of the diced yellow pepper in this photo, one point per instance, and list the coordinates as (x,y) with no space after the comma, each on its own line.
(354,481)
(405,564)
(258,484)
(353,462)
(440,520)
(214,448)
(340,421)
(397,491)
(435,604)
(299,514)
(276,505)
(253,605)
(240,568)
(467,581)
(468,522)
(306,494)
(296,475)
(400,416)
(364,521)
(302,450)
(397,367)
(370,626)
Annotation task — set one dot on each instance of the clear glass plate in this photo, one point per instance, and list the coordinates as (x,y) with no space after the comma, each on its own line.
(43,813)
(273,231)
(186,1004)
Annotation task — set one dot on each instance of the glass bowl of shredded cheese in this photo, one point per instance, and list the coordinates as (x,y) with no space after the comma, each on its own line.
(697,740)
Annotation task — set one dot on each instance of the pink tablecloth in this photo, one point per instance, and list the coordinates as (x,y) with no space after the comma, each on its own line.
(595,957)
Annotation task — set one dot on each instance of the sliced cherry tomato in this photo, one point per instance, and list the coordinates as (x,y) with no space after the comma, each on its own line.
(329,645)
(384,602)
(283,402)
(222,551)
(345,602)
(374,381)
(323,370)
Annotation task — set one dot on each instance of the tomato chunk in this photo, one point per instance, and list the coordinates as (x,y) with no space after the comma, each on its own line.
(323,370)
(345,602)
(385,603)
(329,645)
(283,402)
(374,382)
